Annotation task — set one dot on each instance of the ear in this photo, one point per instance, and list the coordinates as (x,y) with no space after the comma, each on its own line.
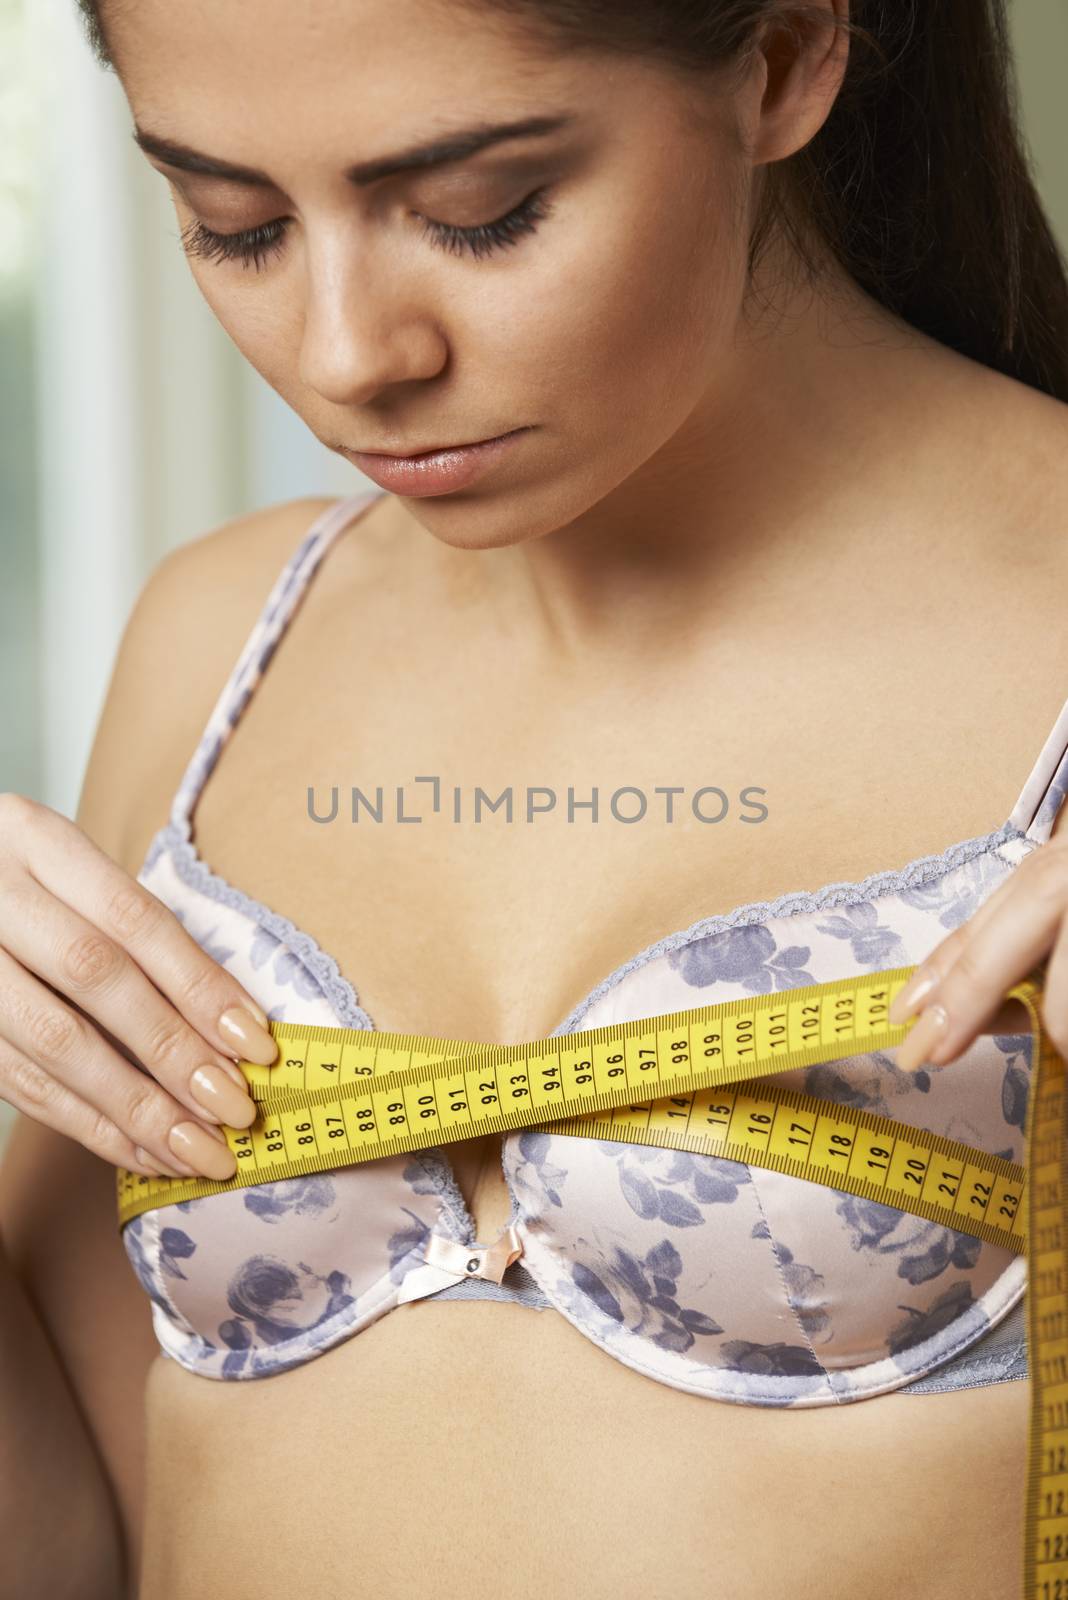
(805,51)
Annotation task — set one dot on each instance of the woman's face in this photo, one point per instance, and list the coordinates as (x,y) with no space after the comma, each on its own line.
(605,327)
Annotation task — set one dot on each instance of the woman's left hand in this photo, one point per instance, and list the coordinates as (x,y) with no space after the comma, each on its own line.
(962,983)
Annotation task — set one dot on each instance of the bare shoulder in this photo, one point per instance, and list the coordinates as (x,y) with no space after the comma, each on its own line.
(1028,500)
(181,640)
(1013,446)
(1013,491)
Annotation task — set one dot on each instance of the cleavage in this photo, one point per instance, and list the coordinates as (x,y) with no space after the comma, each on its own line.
(476,1167)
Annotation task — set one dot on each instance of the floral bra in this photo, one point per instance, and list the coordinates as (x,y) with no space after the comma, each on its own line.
(713,1276)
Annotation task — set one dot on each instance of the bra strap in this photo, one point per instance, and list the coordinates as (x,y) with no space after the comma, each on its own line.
(249,668)
(1046,788)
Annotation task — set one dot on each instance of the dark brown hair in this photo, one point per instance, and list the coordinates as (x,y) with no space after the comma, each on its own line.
(918,183)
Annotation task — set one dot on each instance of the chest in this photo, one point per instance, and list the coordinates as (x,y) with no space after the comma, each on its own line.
(485,923)
(479,835)
(473,884)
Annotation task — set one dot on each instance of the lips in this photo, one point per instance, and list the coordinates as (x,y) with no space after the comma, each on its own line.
(430,450)
(436,471)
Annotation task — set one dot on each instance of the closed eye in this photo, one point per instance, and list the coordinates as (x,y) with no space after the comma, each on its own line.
(254,246)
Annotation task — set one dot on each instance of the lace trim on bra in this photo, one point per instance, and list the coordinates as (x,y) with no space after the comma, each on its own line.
(795,902)
(342,995)
(324,969)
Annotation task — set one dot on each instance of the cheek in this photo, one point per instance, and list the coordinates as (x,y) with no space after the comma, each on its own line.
(254,312)
(633,300)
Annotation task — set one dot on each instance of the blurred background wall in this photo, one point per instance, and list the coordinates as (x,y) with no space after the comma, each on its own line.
(128,420)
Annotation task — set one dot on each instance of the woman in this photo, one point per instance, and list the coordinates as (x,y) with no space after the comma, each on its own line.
(779,331)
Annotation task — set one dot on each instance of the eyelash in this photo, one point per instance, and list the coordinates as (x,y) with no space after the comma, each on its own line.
(252,246)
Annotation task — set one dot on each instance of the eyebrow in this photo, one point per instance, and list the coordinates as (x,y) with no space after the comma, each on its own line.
(451,147)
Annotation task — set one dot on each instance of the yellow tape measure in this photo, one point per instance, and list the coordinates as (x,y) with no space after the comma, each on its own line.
(341,1096)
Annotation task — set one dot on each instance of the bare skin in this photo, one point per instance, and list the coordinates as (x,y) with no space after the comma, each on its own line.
(815,559)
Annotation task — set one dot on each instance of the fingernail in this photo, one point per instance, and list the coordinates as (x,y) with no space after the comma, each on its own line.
(216,1093)
(154,1164)
(917,1043)
(234,1072)
(907,1000)
(257,1011)
(254,1042)
(200,1145)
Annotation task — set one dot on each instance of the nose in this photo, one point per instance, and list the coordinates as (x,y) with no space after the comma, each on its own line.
(365,326)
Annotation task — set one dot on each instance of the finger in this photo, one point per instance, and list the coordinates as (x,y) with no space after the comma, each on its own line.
(30,1089)
(922,985)
(86,968)
(993,953)
(1053,1005)
(55,1046)
(67,864)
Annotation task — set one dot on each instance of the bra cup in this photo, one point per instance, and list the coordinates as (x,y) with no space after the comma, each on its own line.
(870,1280)
(658,1246)
(284,1260)
(713,1273)
(254,1280)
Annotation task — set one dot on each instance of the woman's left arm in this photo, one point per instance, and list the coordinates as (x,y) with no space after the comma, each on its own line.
(962,983)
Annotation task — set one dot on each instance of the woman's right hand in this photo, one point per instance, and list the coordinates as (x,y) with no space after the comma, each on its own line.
(114,1022)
